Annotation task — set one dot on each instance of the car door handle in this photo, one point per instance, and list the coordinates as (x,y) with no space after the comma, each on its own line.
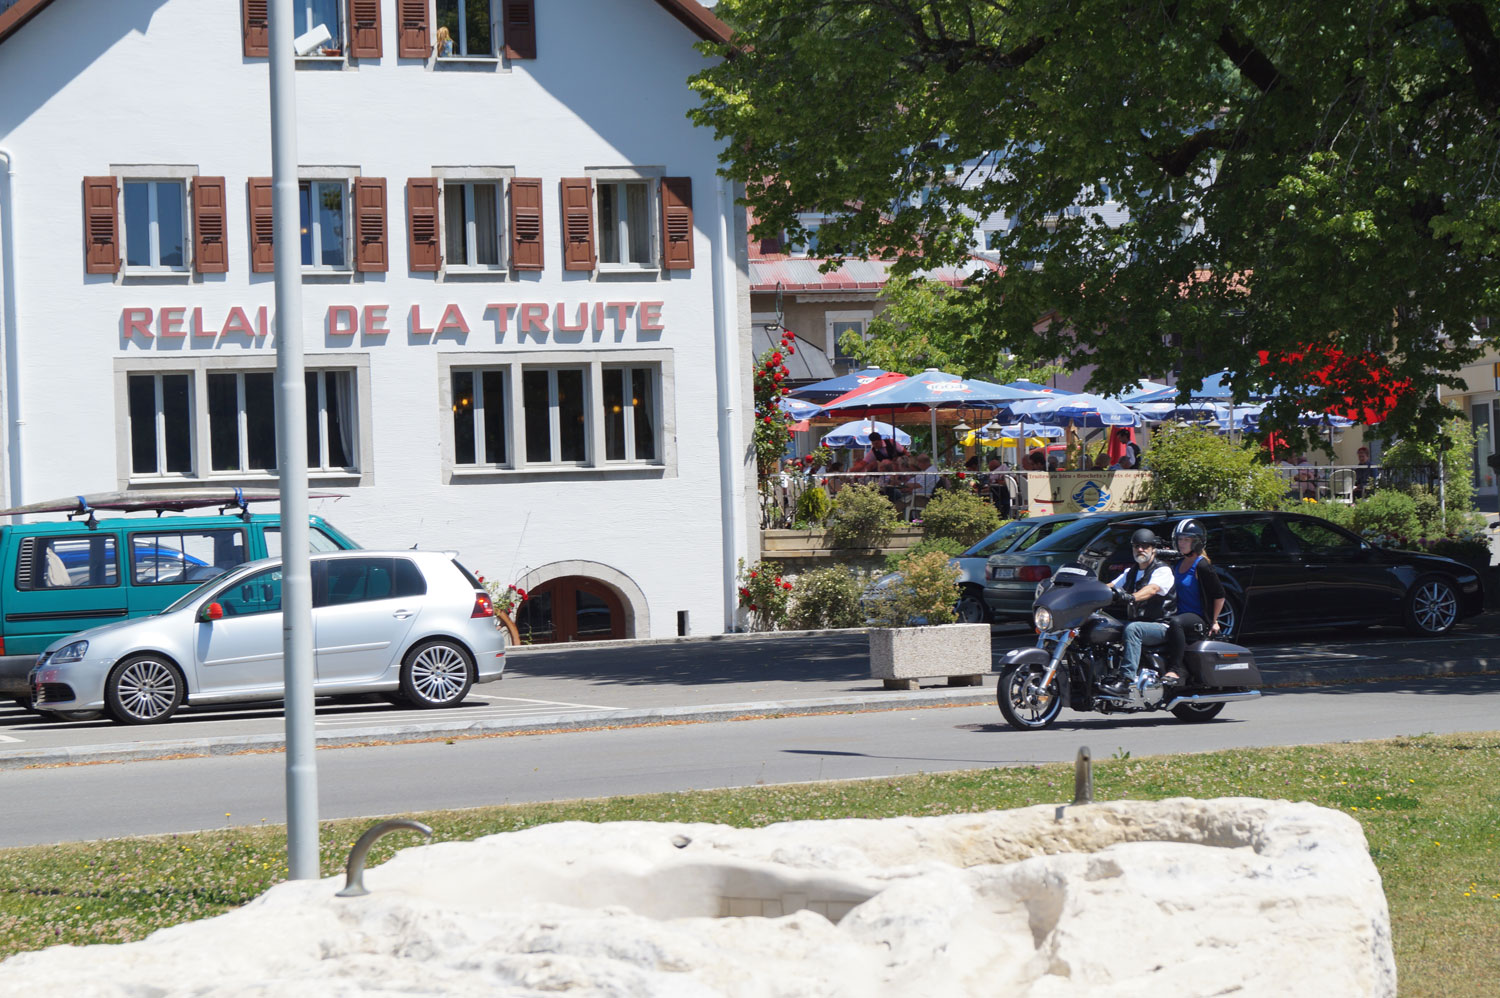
(401,614)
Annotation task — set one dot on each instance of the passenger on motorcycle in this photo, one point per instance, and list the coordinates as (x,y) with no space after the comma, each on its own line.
(1200,596)
(1146,583)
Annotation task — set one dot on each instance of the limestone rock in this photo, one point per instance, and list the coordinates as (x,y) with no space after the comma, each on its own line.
(1167,898)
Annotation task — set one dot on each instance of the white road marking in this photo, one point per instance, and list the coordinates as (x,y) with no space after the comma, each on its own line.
(10,738)
(554,703)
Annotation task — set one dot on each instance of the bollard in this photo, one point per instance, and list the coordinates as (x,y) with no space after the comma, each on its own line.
(1083,777)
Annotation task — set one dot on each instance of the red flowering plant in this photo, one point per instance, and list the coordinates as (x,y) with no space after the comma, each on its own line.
(773,426)
(764,595)
(506,598)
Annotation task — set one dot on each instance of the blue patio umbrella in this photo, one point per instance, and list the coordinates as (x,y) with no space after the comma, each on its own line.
(1081,410)
(827,391)
(1032,386)
(798,409)
(930,391)
(1145,391)
(857,434)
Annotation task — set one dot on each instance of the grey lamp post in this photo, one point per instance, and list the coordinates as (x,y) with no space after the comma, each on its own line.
(291,457)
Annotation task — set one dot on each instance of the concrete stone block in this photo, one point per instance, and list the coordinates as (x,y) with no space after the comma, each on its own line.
(898,653)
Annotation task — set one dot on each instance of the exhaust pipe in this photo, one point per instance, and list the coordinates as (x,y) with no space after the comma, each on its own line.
(1214,698)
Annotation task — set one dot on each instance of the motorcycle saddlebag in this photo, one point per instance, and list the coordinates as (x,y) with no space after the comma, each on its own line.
(1219,663)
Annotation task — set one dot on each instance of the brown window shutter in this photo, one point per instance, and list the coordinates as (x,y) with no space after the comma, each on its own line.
(677,223)
(415,41)
(210,215)
(262,228)
(101,225)
(364,29)
(371,254)
(520,29)
(526,223)
(578,223)
(255,21)
(424,254)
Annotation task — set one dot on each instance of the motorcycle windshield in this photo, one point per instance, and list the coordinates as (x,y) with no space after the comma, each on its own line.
(1071,598)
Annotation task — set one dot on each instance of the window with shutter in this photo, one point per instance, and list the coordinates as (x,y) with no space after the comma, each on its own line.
(578,223)
(210,251)
(101,226)
(526,223)
(262,229)
(677,223)
(424,255)
(520,29)
(364,29)
(255,23)
(370,252)
(415,41)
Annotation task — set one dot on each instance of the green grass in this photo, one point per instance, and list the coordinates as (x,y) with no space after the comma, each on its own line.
(1430,807)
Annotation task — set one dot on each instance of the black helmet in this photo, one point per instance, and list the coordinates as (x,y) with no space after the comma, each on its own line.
(1191,529)
(1143,537)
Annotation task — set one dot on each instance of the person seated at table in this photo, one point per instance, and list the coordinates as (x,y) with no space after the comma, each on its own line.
(1125,463)
(926,480)
(1365,473)
(1307,478)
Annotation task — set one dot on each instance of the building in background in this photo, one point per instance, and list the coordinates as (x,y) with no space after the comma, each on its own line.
(521,277)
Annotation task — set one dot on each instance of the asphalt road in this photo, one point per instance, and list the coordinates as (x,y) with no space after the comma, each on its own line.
(548,686)
(104,801)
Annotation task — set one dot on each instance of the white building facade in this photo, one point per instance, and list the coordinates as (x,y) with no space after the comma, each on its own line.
(525,304)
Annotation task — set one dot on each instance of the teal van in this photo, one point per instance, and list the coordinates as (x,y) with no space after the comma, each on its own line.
(58,579)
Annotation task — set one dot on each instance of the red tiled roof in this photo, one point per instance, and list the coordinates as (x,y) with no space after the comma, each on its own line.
(699,19)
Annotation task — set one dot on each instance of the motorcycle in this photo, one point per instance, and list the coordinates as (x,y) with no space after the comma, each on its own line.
(1079,645)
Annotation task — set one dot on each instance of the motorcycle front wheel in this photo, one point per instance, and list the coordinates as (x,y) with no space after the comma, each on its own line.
(1023,700)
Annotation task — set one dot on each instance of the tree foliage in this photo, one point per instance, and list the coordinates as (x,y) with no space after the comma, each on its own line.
(1195,468)
(1308,184)
(930,324)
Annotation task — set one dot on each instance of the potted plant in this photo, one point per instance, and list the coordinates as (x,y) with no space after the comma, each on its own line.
(913,633)
(505,599)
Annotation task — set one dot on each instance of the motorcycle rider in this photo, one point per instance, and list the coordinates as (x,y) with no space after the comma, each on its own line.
(1200,596)
(1146,584)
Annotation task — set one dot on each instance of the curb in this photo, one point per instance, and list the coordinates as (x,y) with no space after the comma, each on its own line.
(1286,678)
(733,637)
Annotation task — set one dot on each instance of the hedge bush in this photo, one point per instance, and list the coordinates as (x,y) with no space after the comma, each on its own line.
(947,545)
(826,597)
(764,595)
(814,505)
(960,515)
(1195,468)
(925,594)
(1388,517)
(862,517)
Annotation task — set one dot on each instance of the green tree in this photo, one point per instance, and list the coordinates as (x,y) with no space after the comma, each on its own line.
(1306,181)
(931,324)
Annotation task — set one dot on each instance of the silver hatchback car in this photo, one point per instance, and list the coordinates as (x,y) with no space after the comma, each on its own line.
(414,624)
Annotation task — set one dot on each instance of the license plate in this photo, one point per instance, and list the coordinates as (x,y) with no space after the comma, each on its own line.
(1002,573)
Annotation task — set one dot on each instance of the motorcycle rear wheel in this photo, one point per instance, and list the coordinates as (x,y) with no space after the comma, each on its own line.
(1196,712)
(1022,699)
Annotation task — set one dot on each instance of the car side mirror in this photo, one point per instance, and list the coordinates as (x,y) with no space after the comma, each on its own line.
(210,613)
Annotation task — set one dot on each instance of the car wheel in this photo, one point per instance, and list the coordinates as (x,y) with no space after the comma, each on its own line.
(1192,712)
(971,608)
(1432,606)
(1023,700)
(146,689)
(1231,617)
(436,674)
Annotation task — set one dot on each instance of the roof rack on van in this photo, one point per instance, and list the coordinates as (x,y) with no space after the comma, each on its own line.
(159,501)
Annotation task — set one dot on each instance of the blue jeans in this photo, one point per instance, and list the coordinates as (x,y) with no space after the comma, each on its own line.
(1137,633)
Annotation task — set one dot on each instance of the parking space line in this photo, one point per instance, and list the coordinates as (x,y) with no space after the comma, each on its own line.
(555,703)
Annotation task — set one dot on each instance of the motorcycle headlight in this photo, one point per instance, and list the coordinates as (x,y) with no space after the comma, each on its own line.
(69,653)
(1042,618)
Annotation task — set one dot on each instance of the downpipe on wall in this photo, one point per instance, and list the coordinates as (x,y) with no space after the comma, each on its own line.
(10,356)
(725,371)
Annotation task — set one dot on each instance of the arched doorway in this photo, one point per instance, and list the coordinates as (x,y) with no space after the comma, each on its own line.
(572,608)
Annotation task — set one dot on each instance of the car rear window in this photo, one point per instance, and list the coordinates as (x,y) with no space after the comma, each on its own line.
(468,575)
(1070,538)
(999,541)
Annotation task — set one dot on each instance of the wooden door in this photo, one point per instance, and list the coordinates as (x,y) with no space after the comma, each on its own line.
(572,608)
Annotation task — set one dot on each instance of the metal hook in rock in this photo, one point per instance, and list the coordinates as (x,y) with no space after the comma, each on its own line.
(354,870)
